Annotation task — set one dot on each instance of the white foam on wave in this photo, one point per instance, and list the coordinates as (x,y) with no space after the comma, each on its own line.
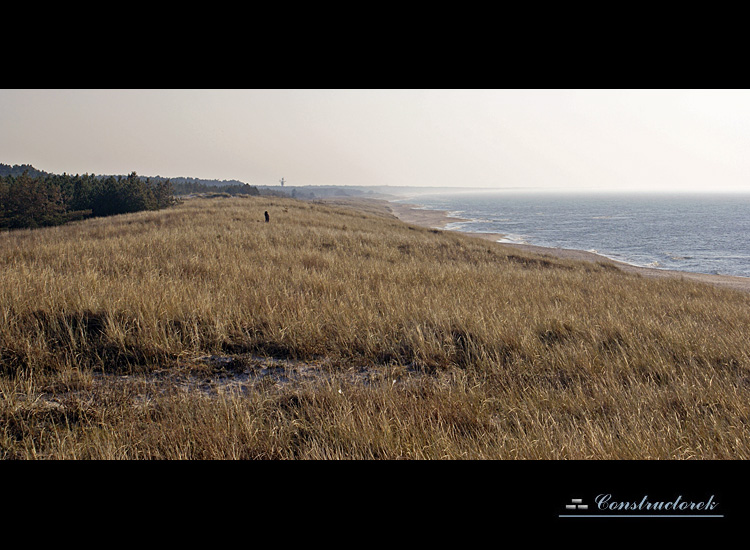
(511,238)
(455,226)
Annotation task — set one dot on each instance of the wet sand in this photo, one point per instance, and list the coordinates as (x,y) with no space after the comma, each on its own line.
(438,219)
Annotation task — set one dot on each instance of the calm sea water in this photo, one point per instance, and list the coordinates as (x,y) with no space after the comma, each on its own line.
(700,233)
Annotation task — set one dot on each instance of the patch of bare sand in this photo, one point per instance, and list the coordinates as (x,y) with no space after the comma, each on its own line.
(438,219)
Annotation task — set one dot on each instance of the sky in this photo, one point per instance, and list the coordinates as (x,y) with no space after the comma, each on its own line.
(555,139)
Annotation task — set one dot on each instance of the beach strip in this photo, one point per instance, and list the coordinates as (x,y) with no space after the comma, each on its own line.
(434,219)
(439,219)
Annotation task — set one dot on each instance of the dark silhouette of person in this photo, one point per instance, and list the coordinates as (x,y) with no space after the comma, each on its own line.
(267,218)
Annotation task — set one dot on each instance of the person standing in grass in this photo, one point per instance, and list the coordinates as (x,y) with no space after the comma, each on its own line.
(267,217)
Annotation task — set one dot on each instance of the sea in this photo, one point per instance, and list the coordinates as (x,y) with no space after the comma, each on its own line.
(700,233)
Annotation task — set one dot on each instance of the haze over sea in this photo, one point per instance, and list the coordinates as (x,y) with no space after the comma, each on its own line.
(700,233)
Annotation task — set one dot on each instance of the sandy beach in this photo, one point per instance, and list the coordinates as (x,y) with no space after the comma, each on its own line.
(438,219)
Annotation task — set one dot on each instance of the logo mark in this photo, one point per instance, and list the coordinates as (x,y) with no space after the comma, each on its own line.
(576,504)
(608,506)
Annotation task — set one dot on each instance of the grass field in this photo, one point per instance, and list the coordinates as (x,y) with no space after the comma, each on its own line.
(336,332)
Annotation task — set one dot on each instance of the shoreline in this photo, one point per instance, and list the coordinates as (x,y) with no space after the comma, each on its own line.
(434,219)
(438,219)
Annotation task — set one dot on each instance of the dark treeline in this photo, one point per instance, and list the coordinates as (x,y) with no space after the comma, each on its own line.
(37,199)
(19,169)
(191,187)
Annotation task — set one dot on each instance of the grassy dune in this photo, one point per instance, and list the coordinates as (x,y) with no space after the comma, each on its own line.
(414,343)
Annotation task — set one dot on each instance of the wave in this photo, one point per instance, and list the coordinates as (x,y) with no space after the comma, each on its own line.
(511,238)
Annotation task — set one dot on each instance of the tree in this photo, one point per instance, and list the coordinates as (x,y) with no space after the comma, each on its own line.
(31,202)
(163,193)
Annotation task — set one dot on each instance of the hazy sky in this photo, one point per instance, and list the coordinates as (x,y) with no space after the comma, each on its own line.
(557,139)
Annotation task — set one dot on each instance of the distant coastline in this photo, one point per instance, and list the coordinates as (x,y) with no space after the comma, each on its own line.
(439,219)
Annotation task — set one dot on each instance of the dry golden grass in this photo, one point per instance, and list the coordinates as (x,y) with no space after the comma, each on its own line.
(469,349)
